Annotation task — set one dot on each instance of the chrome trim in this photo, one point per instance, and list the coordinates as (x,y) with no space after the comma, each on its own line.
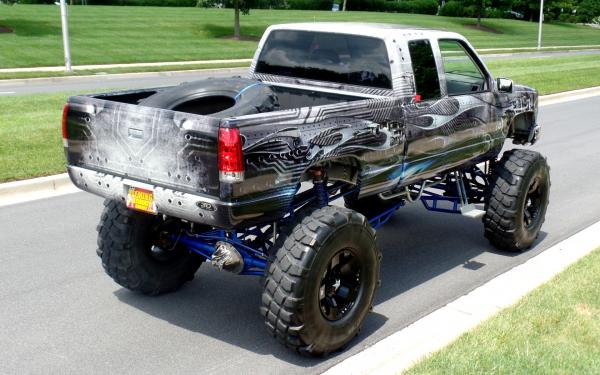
(231,177)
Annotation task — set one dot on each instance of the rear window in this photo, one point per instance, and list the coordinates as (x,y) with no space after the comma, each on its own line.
(340,58)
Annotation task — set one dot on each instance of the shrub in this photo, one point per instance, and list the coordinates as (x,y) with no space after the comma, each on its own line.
(395,6)
(310,4)
(424,6)
(164,3)
(496,13)
(452,9)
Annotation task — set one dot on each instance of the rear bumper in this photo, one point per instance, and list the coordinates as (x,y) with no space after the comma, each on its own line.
(198,208)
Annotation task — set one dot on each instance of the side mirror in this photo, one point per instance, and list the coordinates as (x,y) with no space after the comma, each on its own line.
(504,85)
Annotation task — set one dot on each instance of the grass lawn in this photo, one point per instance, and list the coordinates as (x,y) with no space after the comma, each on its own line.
(553,330)
(550,74)
(30,135)
(105,34)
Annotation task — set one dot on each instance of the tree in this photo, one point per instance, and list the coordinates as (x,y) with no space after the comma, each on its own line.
(244,6)
(479,7)
(587,10)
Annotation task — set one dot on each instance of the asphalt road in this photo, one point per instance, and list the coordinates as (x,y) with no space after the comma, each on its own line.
(59,313)
(145,80)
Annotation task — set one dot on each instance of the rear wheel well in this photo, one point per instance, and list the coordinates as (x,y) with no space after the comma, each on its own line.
(342,169)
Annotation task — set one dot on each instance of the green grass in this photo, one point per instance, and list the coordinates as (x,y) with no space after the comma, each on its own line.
(30,136)
(553,330)
(550,74)
(104,34)
(30,139)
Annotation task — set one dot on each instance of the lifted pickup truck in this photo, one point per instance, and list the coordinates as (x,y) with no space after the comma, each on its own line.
(242,172)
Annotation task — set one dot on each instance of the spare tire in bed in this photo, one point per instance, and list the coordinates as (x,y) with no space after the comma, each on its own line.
(221,97)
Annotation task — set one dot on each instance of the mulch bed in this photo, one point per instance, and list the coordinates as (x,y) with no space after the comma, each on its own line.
(245,38)
(484,28)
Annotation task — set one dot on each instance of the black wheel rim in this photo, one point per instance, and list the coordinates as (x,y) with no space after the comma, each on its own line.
(533,204)
(340,285)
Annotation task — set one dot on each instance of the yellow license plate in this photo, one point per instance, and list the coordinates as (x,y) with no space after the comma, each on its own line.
(141,200)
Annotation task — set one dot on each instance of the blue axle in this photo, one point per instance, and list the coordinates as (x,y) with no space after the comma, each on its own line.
(255,256)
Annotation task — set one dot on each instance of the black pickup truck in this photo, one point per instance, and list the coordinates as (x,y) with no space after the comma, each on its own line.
(242,172)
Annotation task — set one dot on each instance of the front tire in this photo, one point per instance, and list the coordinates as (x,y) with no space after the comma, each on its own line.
(519,196)
(321,283)
(136,254)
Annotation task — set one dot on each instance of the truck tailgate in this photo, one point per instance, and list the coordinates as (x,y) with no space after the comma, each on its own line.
(154,146)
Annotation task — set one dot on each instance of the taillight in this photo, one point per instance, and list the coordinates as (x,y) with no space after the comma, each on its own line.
(64,124)
(231,160)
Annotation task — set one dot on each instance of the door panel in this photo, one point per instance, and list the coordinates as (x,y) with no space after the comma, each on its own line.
(445,132)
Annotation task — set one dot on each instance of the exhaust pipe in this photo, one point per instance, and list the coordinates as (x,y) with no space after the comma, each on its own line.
(227,258)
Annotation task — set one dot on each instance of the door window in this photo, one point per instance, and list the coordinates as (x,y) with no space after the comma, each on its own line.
(424,69)
(463,76)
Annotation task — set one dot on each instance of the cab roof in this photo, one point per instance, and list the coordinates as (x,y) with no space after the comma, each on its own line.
(377,30)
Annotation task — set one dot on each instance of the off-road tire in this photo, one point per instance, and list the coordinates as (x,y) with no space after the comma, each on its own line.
(247,97)
(516,178)
(124,243)
(291,303)
(371,205)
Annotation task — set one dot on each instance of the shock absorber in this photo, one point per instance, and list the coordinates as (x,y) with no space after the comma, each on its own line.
(320,187)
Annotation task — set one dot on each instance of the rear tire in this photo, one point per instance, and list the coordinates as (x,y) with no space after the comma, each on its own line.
(128,245)
(321,283)
(519,196)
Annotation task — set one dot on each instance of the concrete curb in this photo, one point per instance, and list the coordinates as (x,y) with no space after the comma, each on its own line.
(403,349)
(575,48)
(568,96)
(41,183)
(111,76)
(114,66)
(44,187)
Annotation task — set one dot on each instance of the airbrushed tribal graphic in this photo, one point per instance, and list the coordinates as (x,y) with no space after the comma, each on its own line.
(309,136)
(393,140)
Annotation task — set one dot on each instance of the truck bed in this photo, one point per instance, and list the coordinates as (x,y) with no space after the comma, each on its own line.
(113,144)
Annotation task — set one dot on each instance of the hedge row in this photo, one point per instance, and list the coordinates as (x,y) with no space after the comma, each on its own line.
(164,3)
(402,6)
(397,6)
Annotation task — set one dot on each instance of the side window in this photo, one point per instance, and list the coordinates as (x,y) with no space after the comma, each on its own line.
(463,76)
(424,69)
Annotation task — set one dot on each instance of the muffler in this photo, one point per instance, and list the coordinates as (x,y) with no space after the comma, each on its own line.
(226,257)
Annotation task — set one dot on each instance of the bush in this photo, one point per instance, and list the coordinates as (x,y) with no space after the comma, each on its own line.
(156,3)
(395,6)
(310,4)
(587,10)
(496,13)
(452,9)
(398,6)
(566,17)
(424,6)
(367,5)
